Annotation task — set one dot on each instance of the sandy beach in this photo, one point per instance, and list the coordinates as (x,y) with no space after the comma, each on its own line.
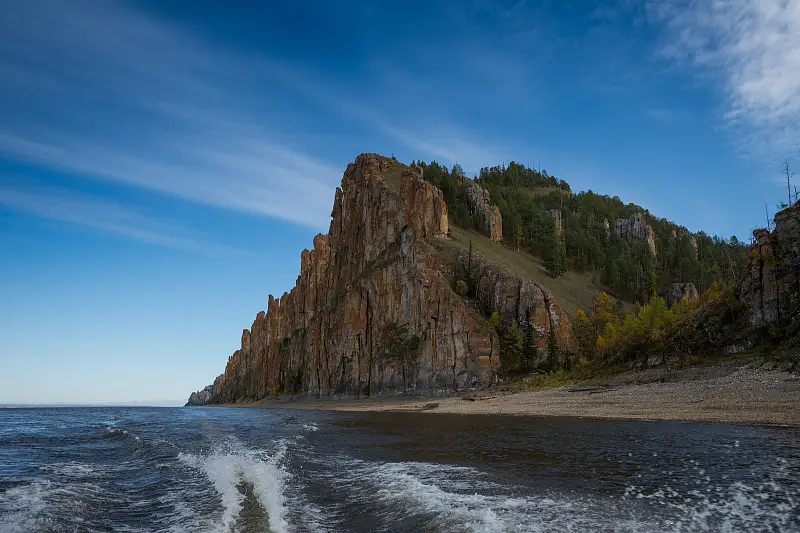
(743,392)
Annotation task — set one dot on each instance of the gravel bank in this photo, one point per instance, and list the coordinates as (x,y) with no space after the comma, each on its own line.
(745,392)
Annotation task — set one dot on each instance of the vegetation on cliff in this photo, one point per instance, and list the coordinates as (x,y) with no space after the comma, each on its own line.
(581,238)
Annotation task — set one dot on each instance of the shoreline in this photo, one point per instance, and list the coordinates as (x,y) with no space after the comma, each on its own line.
(732,392)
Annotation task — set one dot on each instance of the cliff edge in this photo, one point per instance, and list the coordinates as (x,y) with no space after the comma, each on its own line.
(373,311)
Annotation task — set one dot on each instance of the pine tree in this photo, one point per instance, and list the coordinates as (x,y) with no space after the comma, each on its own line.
(553,351)
(556,258)
(529,349)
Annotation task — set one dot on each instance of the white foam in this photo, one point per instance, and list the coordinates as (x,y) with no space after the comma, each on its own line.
(429,490)
(228,468)
(735,507)
(310,427)
(21,507)
(71,469)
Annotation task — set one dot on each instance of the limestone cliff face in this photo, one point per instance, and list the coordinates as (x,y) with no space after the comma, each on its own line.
(636,228)
(480,205)
(371,312)
(519,300)
(772,284)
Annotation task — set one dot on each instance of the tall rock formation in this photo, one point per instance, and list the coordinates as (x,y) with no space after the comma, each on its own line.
(480,206)
(635,228)
(372,311)
(771,287)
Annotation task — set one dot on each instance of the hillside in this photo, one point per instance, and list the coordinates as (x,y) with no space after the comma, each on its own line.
(572,290)
(630,252)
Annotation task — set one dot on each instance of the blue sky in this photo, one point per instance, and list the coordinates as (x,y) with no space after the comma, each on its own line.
(162,164)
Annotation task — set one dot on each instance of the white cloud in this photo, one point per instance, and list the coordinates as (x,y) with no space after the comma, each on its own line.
(106,216)
(750,47)
(100,90)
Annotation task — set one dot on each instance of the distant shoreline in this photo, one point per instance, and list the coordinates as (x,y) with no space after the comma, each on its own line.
(734,392)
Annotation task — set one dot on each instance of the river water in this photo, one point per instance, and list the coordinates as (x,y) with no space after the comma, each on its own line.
(257,470)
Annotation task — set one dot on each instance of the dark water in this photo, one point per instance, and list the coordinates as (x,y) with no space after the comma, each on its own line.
(253,470)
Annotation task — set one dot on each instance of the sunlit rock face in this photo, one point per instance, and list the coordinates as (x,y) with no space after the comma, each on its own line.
(372,312)
(635,228)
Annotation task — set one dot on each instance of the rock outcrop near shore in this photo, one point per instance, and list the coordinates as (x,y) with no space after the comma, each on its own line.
(201,397)
(372,311)
(521,301)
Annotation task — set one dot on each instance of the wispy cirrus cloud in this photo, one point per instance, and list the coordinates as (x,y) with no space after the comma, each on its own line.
(104,91)
(751,48)
(110,217)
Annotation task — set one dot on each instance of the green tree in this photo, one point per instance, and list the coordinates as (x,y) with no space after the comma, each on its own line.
(494,321)
(553,351)
(556,258)
(530,351)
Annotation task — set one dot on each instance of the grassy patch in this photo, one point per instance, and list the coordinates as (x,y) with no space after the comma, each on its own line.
(572,291)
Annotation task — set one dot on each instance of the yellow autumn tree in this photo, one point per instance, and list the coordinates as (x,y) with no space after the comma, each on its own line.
(494,321)
(585,334)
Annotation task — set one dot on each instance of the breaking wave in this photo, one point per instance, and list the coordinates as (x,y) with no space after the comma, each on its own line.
(260,471)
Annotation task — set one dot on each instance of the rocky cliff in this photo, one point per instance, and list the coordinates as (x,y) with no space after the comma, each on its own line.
(636,228)
(520,301)
(372,311)
(680,233)
(771,287)
(480,205)
(201,397)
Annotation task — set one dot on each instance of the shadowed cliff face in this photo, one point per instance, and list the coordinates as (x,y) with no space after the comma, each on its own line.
(372,312)
(771,288)
(480,204)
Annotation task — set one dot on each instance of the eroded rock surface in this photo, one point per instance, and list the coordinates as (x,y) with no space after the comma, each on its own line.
(676,292)
(772,284)
(519,300)
(635,228)
(480,205)
(201,397)
(371,312)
